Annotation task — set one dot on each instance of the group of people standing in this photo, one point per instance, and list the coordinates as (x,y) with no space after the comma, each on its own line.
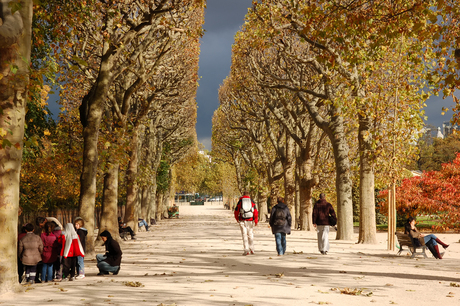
(54,253)
(323,218)
(246,215)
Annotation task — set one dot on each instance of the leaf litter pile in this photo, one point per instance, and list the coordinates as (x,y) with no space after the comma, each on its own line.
(354,291)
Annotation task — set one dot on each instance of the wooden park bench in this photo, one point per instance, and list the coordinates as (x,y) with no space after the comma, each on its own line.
(405,240)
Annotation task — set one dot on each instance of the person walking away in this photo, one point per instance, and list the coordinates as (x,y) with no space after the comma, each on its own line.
(81,232)
(246,215)
(50,252)
(280,223)
(431,241)
(111,260)
(323,216)
(71,248)
(30,250)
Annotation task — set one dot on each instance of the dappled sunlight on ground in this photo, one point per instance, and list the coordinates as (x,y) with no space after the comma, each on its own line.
(196,260)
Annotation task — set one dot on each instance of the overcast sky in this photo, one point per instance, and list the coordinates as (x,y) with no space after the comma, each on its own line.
(222,20)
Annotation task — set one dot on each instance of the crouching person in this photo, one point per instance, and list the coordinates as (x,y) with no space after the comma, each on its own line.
(111,260)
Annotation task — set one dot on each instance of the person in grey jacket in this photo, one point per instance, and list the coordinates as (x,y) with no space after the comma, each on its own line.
(30,249)
(280,222)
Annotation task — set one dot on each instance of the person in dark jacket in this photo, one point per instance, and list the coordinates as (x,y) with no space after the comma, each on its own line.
(111,260)
(122,228)
(82,232)
(280,222)
(322,212)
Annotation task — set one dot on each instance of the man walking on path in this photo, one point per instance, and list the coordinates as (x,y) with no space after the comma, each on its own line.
(280,222)
(323,216)
(246,215)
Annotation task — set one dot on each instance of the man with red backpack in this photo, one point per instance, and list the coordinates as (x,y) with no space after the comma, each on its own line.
(246,215)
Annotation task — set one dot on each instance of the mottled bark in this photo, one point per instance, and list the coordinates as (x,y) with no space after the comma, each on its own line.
(160,208)
(132,191)
(289,176)
(263,210)
(15,46)
(92,121)
(335,130)
(110,201)
(306,184)
(145,200)
(367,223)
(342,182)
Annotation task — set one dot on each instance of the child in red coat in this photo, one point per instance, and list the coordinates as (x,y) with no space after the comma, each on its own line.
(71,248)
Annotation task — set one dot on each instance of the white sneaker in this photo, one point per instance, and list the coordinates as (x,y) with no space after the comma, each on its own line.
(81,276)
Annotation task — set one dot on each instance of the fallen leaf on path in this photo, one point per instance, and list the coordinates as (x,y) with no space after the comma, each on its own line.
(279,275)
(454,285)
(133,284)
(294,252)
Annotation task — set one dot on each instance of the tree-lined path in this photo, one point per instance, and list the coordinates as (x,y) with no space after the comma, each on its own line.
(196,260)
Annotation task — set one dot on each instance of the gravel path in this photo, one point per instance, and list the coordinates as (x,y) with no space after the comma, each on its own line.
(196,260)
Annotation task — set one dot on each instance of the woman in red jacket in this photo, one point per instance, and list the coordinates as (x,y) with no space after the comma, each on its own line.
(71,248)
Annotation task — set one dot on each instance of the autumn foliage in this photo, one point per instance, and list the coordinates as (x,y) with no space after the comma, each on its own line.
(433,193)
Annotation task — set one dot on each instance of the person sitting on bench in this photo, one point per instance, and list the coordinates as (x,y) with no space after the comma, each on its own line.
(431,241)
(122,228)
(142,223)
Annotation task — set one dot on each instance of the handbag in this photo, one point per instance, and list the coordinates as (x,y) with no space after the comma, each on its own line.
(332,220)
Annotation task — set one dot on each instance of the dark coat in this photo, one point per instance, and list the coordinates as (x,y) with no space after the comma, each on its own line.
(280,226)
(113,250)
(82,233)
(321,212)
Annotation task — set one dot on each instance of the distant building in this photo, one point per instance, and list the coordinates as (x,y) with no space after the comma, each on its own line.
(448,128)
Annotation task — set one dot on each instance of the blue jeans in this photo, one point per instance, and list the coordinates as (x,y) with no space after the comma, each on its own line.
(430,239)
(80,265)
(280,239)
(103,266)
(142,222)
(47,272)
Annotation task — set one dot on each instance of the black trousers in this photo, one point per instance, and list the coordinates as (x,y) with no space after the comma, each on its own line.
(69,266)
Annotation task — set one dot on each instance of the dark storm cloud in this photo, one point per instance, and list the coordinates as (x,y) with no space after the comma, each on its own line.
(433,110)
(223,19)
